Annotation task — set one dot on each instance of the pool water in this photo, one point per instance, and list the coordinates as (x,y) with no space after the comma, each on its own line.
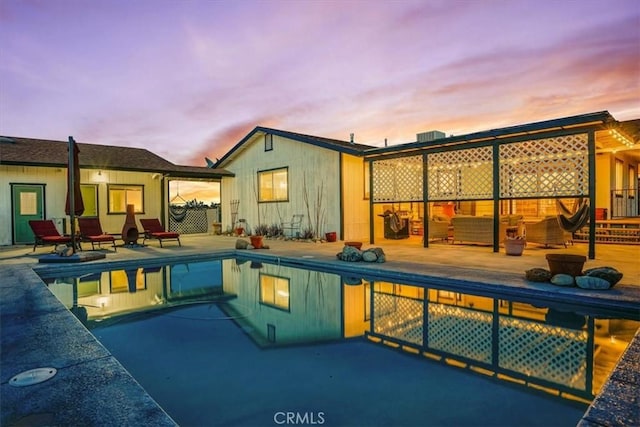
(240,342)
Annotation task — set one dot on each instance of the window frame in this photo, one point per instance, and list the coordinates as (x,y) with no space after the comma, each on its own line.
(268,142)
(633,179)
(277,279)
(261,173)
(111,187)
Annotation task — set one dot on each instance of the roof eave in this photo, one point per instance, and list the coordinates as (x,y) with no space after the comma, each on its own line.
(601,118)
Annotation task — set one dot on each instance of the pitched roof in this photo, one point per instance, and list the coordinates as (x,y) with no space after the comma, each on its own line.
(47,153)
(328,143)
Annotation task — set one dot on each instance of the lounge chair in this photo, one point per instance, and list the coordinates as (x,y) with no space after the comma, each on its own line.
(154,230)
(91,231)
(438,230)
(547,232)
(46,233)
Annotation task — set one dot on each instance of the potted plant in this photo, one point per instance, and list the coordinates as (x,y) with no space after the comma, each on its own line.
(240,228)
(514,245)
(257,236)
(566,264)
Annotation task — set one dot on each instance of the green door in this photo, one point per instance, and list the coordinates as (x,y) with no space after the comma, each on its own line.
(28,204)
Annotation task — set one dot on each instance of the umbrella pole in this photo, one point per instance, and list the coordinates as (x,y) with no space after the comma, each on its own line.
(70,189)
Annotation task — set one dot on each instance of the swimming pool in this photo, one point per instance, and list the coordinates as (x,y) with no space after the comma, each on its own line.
(241,342)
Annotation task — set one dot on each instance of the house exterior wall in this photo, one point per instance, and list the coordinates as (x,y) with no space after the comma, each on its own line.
(355,206)
(309,167)
(605,180)
(55,189)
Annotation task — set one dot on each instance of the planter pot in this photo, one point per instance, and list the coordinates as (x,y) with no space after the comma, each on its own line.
(356,245)
(514,247)
(331,236)
(256,241)
(566,264)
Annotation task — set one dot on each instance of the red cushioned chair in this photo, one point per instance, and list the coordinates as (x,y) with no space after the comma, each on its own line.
(46,233)
(91,231)
(154,230)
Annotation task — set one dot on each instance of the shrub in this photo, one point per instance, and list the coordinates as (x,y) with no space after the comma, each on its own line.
(307,233)
(261,230)
(274,230)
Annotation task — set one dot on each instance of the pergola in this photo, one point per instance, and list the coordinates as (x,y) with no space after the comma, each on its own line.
(551,159)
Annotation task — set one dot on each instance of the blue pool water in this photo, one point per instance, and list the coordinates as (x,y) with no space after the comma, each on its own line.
(236,342)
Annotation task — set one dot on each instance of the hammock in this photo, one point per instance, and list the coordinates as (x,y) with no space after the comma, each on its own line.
(573,220)
(178,213)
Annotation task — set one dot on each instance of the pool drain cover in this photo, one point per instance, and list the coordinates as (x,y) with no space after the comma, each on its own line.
(33,376)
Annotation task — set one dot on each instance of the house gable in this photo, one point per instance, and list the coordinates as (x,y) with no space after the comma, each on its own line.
(317,141)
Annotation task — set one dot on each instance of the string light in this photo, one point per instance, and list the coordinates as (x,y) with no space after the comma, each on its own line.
(621,138)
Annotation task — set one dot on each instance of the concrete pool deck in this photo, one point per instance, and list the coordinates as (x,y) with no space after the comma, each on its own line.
(92,388)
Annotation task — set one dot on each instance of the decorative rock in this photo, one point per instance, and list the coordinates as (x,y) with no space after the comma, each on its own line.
(64,250)
(538,275)
(350,254)
(591,282)
(562,280)
(381,257)
(241,244)
(609,274)
(369,256)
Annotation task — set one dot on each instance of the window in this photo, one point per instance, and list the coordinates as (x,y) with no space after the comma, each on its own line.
(619,184)
(268,142)
(119,196)
(632,182)
(127,280)
(274,291)
(90,199)
(273,185)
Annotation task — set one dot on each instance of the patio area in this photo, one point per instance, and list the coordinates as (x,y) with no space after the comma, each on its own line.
(440,259)
(38,331)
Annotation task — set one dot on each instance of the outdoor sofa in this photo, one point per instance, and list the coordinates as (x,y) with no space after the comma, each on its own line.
(479,229)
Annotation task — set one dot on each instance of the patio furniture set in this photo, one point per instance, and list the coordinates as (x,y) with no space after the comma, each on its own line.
(479,229)
(46,233)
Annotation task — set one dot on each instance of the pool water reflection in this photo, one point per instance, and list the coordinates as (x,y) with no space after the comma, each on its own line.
(543,351)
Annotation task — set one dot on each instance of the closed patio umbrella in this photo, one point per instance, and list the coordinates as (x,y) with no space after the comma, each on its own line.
(74,195)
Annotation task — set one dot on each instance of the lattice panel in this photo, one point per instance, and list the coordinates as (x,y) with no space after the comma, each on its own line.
(461,175)
(460,331)
(397,179)
(545,167)
(543,351)
(398,317)
(195,221)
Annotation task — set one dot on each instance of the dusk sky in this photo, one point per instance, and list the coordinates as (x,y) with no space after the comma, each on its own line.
(188,79)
